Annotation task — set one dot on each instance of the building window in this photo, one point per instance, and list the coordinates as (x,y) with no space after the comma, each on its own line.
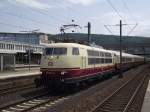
(2,46)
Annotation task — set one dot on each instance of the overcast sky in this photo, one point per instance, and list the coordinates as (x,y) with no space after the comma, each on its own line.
(50,15)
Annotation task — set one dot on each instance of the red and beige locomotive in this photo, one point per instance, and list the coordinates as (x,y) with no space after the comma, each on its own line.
(72,63)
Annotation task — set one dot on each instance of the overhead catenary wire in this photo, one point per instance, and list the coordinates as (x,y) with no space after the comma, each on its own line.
(117,12)
(109,2)
(108,29)
(69,8)
(43,13)
(49,16)
(26,18)
(125,5)
(18,26)
(11,25)
(130,13)
(132,29)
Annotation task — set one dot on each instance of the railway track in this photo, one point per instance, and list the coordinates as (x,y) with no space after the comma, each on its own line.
(122,98)
(33,104)
(16,89)
(119,101)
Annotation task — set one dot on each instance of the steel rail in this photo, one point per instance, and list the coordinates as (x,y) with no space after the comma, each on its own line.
(117,91)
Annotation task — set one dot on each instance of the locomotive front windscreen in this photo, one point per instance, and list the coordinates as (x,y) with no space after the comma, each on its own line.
(55,51)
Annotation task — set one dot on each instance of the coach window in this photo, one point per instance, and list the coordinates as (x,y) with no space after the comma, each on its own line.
(96,53)
(75,51)
(101,54)
(102,60)
(90,52)
(107,54)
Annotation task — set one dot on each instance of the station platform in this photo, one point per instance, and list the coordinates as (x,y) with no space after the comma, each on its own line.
(146,103)
(21,72)
(26,65)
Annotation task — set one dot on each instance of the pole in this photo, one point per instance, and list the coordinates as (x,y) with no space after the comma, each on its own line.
(29,53)
(2,61)
(120,74)
(144,54)
(89,33)
(14,58)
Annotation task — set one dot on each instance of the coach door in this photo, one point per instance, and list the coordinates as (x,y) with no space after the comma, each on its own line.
(83,61)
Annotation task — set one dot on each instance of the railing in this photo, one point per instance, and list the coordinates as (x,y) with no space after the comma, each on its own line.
(13,47)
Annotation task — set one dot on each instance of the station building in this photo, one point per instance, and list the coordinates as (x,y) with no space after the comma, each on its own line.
(14,49)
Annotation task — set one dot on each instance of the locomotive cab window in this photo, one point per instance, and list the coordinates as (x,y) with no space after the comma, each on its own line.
(48,51)
(56,51)
(75,51)
(60,51)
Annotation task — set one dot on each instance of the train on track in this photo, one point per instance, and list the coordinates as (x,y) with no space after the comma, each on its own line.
(72,63)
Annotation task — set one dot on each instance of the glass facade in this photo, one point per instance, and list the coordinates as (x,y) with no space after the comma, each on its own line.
(22,38)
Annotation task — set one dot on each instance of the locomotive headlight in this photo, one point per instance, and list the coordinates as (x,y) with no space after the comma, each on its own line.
(63,72)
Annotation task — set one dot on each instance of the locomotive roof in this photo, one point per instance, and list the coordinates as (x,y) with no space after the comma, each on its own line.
(73,45)
(67,45)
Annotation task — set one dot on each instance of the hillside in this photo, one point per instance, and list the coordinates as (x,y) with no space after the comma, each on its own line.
(103,39)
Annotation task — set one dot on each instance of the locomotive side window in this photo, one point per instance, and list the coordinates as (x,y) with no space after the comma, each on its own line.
(75,51)
(90,52)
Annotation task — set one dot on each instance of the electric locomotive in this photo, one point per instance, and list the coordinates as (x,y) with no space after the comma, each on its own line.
(68,63)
